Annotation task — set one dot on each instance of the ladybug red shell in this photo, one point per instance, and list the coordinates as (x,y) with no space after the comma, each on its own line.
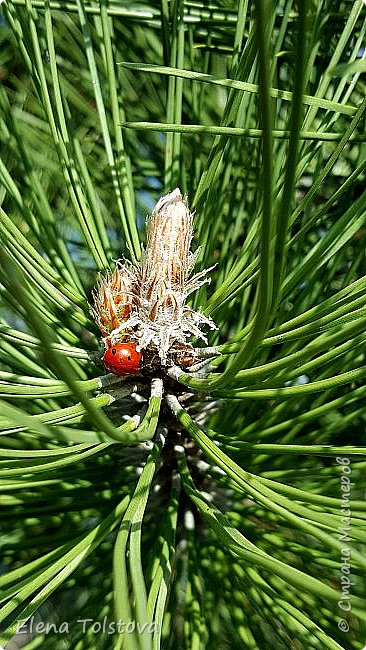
(122,359)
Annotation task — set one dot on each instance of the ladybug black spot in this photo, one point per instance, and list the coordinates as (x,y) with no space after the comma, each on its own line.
(114,351)
(129,358)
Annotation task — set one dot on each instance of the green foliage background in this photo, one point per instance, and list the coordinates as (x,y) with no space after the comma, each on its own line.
(218,518)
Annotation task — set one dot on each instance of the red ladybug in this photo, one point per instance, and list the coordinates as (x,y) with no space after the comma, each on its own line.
(122,359)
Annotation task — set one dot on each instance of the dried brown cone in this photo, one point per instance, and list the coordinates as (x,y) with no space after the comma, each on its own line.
(113,298)
(146,302)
